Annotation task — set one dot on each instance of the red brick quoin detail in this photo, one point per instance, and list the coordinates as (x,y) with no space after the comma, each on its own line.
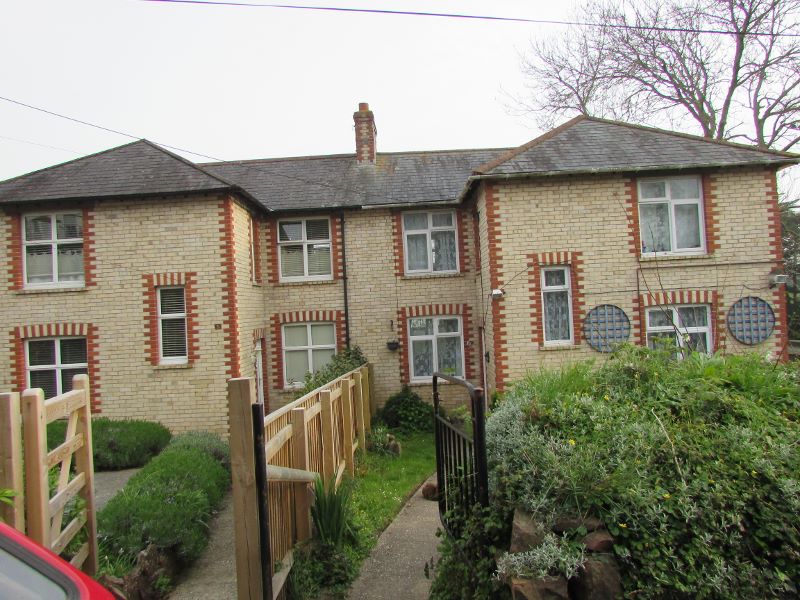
(397,237)
(674,297)
(255,240)
(495,261)
(300,316)
(18,335)
(271,236)
(435,310)
(632,202)
(14,248)
(151,335)
(229,314)
(572,260)
(710,213)
(461,230)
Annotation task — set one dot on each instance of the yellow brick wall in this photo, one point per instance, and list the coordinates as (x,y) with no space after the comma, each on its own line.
(133,238)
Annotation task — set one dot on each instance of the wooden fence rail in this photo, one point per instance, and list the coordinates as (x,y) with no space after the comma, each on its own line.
(35,511)
(317,435)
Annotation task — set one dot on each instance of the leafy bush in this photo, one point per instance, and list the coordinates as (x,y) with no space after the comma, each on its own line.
(208,442)
(167,503)
(378,439)
(407,412)
(343,362)
(330,513)
(692,465)
(117,444)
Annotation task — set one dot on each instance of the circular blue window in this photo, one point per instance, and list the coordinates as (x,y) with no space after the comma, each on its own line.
(751,320)
(606,327)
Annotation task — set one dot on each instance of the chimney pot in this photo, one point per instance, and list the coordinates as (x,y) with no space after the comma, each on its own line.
(366,132)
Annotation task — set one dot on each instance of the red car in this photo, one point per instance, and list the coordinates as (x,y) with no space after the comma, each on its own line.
(30,572)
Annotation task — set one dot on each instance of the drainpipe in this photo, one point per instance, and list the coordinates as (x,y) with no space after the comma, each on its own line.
(344,281)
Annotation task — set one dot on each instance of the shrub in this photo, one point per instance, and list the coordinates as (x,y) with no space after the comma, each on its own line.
(117,444)
(330,513)
(692,465)
(208,442)
(407,412)
(378,440)
(343,362)
(167,503)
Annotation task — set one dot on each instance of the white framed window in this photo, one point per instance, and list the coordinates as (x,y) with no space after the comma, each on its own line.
(430,243)
(557,306)
(436,344)
(307,347)
(52,363)
(304,249)
(172,343)
(671,216)
(686,328)
(53,249)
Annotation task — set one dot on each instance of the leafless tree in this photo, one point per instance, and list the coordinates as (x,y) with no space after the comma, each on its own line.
(732,67)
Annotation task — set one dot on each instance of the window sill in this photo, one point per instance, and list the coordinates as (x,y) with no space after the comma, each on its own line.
(558,347)
(668,258)
(52,290)
(430,275)
(428,383)
(309,282)
(173,366)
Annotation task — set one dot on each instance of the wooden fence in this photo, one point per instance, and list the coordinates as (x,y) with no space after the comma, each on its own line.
(34,511)
(314,436)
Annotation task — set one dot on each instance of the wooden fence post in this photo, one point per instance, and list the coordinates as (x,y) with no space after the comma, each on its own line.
(241,396)
(366,388)
(300,461)
(359,404)
(37,488)
(347,428)
(84,462)
(11,460)
(328,451)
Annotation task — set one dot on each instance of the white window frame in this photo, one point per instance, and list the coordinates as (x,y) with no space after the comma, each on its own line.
(309,348)
(546,289)
(305,242)
(678,328)
(53,242)
(671,204)
(58,367)
(172,360)
(429,243)
(434,339)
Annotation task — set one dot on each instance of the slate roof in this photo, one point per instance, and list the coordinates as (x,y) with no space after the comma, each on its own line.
(591,145)
(137,169)
(338,181)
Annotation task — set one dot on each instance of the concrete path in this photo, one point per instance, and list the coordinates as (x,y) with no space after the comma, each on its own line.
(214,575)
(108,483)
(395,569)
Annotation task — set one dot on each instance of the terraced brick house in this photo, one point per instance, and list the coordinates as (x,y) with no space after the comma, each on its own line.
(162,278)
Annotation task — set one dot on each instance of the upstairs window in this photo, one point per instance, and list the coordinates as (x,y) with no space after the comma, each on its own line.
(53,249)
(430,242)
(437,344)
(53,362)
(557,306)
(304,247)
(307,347)
(671,216)
(686,328)
(172,326)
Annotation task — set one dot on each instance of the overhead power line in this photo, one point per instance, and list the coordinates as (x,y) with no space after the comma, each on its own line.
(412,13)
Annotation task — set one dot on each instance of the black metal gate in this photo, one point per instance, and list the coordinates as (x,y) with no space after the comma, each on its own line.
(460,461)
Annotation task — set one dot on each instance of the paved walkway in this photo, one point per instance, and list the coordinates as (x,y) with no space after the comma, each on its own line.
(108,483)
(395,569)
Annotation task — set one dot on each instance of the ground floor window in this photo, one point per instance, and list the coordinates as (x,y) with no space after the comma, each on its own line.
(436,344)
(686,328)
(307,347)
(52,363)
(172,325)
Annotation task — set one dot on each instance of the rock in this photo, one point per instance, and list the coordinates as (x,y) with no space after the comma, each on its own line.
(525,532)
(596,580)
(599,541)
(570,523)
(430,491)
(548,588)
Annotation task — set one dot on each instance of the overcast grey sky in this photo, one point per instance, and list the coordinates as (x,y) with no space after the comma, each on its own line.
(238,83)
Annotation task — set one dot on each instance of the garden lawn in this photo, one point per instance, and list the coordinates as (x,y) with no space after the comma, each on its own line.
(383,483)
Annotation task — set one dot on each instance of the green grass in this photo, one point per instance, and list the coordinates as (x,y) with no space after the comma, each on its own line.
(383,483)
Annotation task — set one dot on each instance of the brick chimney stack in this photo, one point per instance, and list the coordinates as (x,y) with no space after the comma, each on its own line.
(365,134)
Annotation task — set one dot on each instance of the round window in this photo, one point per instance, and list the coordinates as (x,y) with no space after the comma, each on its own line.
(606,327)
(751,320)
